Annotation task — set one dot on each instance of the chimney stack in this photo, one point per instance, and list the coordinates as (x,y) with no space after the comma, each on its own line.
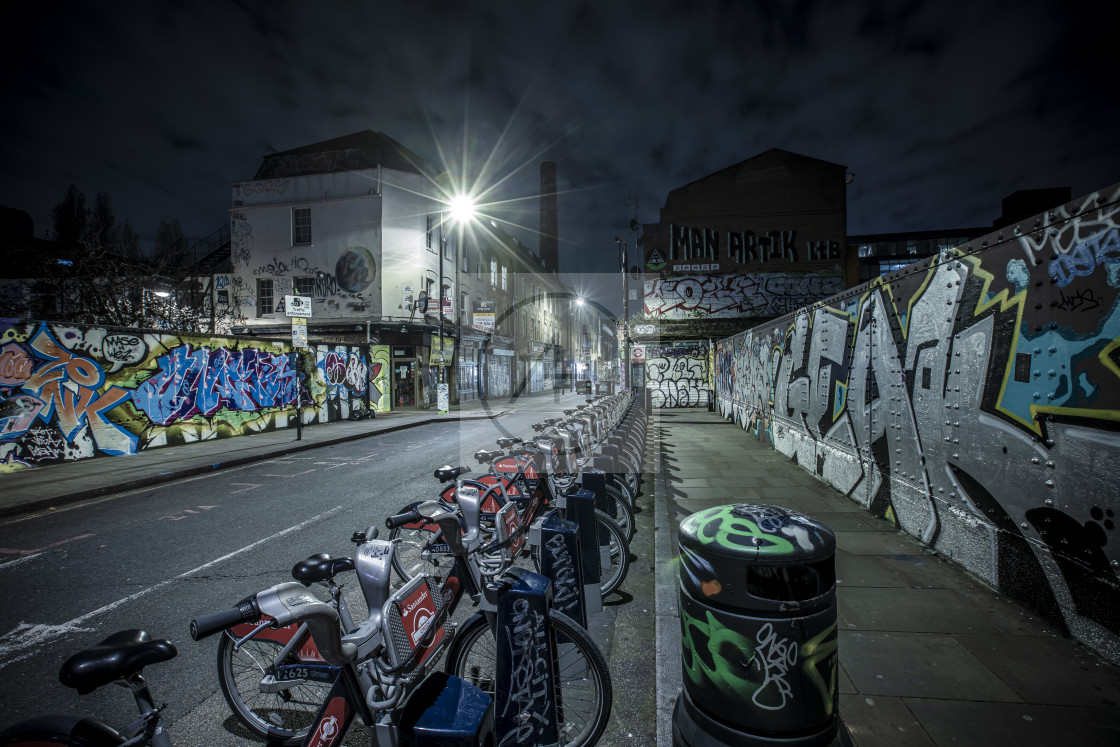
(549,241)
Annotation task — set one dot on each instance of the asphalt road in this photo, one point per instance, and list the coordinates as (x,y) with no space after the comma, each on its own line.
(154,558)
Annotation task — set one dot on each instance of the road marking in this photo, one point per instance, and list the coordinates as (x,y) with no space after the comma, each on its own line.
(37,550)
(17,561)
(22,641)
(250,485)
(313,469)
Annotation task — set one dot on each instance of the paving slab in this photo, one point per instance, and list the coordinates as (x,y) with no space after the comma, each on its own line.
(918,665)
(1083,681)
(882,722)
(968,724)
(911,610)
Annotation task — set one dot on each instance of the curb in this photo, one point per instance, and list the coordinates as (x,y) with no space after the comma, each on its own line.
(162,477)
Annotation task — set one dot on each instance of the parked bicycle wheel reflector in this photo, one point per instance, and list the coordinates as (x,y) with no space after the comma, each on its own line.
(758,629)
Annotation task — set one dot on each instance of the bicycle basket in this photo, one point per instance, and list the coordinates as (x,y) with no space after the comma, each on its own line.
(410,620)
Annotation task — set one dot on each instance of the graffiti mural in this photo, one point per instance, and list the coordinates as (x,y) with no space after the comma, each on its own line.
(70,392)
(972,399)
(677,376)
(380,392)
(344,370)
(748,294)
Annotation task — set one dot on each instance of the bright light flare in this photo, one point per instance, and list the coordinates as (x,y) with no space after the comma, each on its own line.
(462,208)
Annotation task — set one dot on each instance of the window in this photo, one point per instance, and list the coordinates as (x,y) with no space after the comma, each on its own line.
(428,232)
(503,277)
(464,301)
(493,271)
(304,286)
(264,296)
(446,249)
(301,226)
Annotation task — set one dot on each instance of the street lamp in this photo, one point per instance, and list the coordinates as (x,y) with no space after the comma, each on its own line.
(463,211)
(625,307)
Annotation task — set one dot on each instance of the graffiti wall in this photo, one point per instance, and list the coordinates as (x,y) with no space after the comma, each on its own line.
(749,294)
(678,376)
(70,392)
(971,399)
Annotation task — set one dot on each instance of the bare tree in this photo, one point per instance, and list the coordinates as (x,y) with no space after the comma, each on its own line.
(94,272)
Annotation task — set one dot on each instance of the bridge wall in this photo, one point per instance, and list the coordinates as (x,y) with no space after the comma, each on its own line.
(971,399)
(73,392)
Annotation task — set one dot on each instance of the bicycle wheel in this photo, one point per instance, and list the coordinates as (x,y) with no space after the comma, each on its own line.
(408,561)
(623,514)
(282,717)
(583,681)
(614,554)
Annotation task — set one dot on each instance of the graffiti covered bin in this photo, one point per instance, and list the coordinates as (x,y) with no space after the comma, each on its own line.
(758,628)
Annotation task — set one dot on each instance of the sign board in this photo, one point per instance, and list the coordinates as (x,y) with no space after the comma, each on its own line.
(443,402)
(483,316)
(297,306)
(299,331)
(442,354)
(637,354)
(447,310)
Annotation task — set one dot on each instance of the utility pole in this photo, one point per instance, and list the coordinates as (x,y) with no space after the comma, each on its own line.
(631,199)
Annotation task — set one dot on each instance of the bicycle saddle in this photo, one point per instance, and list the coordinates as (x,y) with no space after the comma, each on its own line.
(568,412)
(319,568)
(121,655)
(505,443)
(447,472)
(551,421)
(485,457)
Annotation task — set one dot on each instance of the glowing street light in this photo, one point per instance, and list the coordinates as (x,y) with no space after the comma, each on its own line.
(462,208)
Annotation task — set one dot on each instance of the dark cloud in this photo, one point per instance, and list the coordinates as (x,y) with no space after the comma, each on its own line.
(940,109)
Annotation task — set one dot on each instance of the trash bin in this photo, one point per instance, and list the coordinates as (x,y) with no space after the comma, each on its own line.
(758,629)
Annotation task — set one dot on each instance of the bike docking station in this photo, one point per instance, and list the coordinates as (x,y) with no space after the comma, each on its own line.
(526,710)
(595,480)
(579,507)
(757,601)
(561,562)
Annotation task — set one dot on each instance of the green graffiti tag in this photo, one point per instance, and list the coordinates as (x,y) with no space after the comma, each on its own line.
(720,526)
(820,653)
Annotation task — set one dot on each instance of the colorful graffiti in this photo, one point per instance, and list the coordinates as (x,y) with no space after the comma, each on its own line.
(968,401)
(69,392)
(677,377)
(748,294)
(380,392)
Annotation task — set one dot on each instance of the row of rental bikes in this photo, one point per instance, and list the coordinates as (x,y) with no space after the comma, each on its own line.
(533,537)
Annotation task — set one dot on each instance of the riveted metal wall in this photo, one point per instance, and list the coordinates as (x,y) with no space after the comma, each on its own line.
(973,399)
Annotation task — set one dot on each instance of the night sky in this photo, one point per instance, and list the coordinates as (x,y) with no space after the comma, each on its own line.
(939,109)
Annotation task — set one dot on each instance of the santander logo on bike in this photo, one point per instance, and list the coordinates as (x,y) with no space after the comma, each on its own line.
(417,612)
(329,730)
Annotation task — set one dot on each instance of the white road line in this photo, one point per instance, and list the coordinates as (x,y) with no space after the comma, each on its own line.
(22,641)
(17,561)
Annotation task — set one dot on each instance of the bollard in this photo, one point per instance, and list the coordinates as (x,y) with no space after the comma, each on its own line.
(559,552)
(758,629)
(525,712)
(446,711)
(579,506)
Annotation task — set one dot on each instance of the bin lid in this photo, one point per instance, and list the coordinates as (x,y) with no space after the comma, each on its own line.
(761,557)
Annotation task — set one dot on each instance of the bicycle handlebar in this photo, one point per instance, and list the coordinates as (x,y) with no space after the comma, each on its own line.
(401,519)
(245,612)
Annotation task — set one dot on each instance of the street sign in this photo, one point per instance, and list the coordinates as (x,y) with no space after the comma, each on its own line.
(637,354)
(297,306)
(299,331)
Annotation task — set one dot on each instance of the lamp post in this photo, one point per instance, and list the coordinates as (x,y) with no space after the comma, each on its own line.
(625,308)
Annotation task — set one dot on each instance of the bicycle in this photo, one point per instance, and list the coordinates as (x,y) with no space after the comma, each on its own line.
(292,660)
(398,658)
(421,548)
(584,690)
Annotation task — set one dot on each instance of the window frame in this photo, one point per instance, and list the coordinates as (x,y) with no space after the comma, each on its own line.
(298,227)
(270,308)
(308,288)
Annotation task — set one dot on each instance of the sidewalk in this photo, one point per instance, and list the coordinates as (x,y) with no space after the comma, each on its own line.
(928,655)
(40,489)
